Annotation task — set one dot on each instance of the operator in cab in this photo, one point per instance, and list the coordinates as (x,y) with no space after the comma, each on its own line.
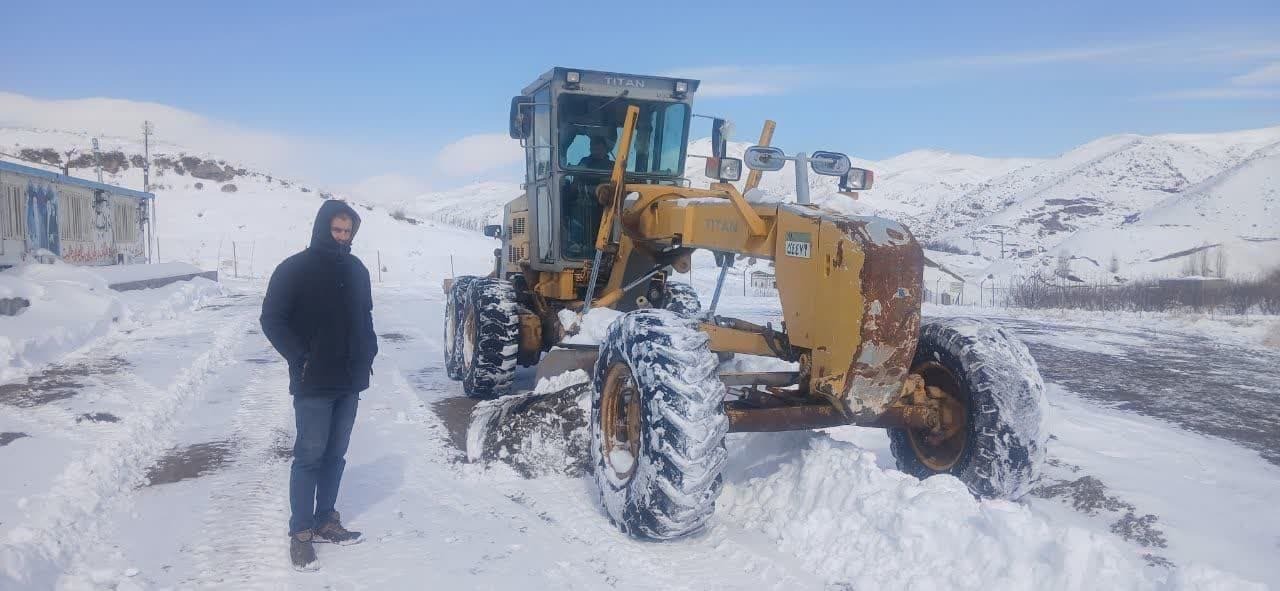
(598,159)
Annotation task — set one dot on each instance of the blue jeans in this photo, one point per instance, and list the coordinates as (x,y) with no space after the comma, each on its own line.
(324,429)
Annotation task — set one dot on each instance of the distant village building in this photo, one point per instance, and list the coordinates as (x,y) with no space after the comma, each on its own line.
(763,283)
(82,222)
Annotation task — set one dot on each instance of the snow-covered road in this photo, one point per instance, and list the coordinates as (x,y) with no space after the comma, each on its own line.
(1194,380)
(185,486)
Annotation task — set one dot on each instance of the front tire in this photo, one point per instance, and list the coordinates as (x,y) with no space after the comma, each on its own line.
(657,425)
(1000,450)
(489,338)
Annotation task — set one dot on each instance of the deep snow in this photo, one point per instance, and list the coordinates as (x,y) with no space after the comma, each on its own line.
(799,510)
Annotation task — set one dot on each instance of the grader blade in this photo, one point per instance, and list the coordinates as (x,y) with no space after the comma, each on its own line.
(538,433)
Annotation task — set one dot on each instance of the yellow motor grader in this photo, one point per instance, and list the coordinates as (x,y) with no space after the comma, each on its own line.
(607,219)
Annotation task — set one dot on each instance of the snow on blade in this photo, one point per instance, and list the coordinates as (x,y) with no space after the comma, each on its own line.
(559,382)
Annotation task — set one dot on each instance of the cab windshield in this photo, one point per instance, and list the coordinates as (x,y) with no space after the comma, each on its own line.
(591,125)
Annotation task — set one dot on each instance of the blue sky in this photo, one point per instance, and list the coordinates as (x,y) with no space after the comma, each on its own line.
(393,82)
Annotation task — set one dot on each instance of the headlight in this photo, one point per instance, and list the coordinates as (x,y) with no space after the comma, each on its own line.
(730,169)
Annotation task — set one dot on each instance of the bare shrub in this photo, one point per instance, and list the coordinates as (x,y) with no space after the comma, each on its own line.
(1254,296)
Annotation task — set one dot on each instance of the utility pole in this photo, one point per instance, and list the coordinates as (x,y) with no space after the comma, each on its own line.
(147,130)
(97,159)
(1001,243)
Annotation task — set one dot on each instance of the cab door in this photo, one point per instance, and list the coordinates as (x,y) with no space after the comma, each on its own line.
(541,189)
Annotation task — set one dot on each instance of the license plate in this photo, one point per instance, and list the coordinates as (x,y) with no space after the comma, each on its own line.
(799,245)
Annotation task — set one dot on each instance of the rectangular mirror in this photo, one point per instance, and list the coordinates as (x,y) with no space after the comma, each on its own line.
(857,179)
(493,231)
(721,129)
(829,163)
(521,123)
(764,159)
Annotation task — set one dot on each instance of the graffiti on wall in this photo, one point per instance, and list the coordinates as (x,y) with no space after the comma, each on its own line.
(42,218)
(88,253)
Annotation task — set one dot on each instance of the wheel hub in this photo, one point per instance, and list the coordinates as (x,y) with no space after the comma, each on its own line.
(941,447)
(469,337)
(620,422)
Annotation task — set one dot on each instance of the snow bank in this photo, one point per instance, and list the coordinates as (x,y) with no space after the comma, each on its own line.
(115,274)
(69,307)
(170,301)
(850,521)
(72,306)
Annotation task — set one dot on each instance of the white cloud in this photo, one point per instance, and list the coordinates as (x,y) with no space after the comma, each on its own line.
(1170,53)
(733,81)
(387,188)
(478,153)
(1220,94)
(123,118)
(1263,76)
(1039,57)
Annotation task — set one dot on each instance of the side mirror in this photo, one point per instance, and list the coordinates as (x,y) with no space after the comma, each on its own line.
(829,163)
(726,170)
(521,124)
(857,179)
(493,231)
(764,159)
(721,129)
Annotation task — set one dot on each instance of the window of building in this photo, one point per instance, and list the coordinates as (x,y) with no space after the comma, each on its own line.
(125,221)
(75,217)
(13,213)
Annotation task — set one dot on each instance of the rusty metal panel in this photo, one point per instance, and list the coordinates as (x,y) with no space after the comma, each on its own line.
(891,287)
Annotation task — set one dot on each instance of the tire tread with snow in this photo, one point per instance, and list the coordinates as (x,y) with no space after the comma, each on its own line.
(455,301)
(677,476)
(491,304)
(682,299)
(1006,410)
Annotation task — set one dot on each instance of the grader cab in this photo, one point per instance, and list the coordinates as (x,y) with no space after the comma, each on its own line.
(608,218)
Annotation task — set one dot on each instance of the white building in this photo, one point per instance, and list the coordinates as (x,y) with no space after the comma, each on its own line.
(80,221)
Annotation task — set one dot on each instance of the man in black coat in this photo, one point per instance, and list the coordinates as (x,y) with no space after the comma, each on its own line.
(318,313)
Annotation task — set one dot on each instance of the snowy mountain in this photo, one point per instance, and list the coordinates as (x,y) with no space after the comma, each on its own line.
(1148,202)
(1090,204)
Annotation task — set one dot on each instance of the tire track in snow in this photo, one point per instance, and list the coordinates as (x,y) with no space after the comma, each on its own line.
(243,544)
(68,520)
(563,513)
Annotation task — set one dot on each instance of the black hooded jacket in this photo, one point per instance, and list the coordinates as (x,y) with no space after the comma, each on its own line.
(318,312)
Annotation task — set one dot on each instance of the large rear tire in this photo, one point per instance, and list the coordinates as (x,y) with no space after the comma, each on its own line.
(453,306)
(489,338)
(1001,448)
(657,425)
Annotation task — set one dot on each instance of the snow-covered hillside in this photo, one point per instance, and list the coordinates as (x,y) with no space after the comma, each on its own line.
(1145,201)
(1128,196)
(218,214)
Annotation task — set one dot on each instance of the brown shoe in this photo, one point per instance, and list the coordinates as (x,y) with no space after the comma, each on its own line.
(330,530)
(301,553)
